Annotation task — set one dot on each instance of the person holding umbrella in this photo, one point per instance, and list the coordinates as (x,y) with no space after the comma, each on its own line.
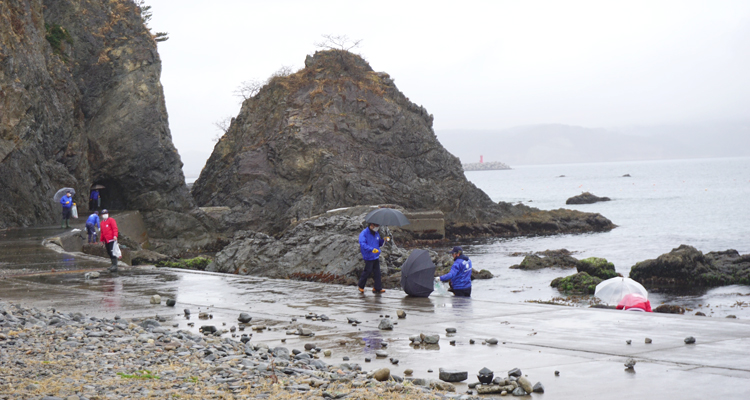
(460,273)
(369,245)
(67,203)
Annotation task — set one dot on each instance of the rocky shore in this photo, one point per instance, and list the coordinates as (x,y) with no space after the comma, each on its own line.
(51,355)
(488,166)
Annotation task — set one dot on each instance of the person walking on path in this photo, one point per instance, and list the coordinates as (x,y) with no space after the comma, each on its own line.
(460,273)
(94,200)
(369,245)
(109,237)
(92,223)
(67,203)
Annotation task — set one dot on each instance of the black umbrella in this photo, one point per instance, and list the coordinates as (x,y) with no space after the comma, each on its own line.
(387,217)
(417,274)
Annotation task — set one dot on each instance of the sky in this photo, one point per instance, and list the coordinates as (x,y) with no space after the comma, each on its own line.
(472,64)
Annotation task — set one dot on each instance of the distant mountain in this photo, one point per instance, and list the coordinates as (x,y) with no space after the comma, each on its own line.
(562,144)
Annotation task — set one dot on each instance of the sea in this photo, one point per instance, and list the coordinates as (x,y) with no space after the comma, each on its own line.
(656,205)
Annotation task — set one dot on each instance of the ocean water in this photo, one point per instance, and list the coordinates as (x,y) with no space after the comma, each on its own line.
(704,203)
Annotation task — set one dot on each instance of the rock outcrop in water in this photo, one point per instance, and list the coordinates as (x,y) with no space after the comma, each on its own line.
(586,198)
(81,103)
(687,266)
(337,134)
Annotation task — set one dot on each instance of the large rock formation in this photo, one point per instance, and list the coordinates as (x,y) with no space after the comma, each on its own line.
(81,103)
(337,134)
(687,266)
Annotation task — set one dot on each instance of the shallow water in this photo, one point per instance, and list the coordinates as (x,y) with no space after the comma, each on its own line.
(702,203)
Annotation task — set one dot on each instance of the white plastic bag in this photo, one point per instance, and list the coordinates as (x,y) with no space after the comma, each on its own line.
(440,288)
(116,250)
(74,211)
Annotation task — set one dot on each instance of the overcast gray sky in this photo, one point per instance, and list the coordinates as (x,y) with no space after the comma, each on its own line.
(472,64)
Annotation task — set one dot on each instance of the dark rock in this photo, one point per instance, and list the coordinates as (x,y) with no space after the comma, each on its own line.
(519,392)
(731,316)
(515,372)
(453,375)
(385,324)
(481,274)
(598,267)
(244,318)
(557,373)
(552,259)
(686,266)
(208,329)
(244,338)
(485,375)
(538,388)
(669,309)
(187,311)
(586,198)
(626,176)
(450,330)
(689,340)
(492,341)
(367,359)
(150,324)
(577,283)
(648,341)
(323,129)
(628,341)
(382,374)
(171,302)
(345,358)
(394,361)
(309,346)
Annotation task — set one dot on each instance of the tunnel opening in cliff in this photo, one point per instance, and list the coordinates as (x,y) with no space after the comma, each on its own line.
(111,194)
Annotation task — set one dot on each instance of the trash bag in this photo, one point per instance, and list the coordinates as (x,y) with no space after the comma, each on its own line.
(74,211)
(440,288)
(116,250)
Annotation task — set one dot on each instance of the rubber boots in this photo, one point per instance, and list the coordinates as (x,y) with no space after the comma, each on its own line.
(113,268)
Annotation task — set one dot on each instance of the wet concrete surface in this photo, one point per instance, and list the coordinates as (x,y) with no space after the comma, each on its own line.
(587,346)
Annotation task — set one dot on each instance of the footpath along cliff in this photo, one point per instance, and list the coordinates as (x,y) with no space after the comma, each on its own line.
(81,103)
(338,134)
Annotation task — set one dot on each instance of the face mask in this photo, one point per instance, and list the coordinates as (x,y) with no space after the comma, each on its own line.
(375,229)
(105,216)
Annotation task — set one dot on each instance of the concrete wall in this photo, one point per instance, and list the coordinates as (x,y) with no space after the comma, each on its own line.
(426,224)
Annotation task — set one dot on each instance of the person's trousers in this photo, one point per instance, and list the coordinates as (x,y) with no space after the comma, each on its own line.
(109,246)
(91,229)
(372,267)
(66,214)
(462,292)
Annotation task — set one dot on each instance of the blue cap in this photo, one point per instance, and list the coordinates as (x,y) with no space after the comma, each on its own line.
(457,249)
(105,211)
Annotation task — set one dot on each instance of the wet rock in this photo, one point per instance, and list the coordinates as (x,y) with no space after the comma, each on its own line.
(538,388)
(430,339)
(327,353)
(628,341)
(492,341)
(206,329)
(648,340)
(586,198)
(244,338)
(186,311)
(445,386)
(394,361)
(686,266)
(150,324)
(382,374)
(519,392)
(385,324)
(244,318)
(731,316)
(515,372)
(304,332)
(669,309)
(381,353)
(485,375)
(309,346)
(345,358)
(547,259)
(448,375)
(401,314)
(408,371)
(577,283)
(481,274)
(156,299)
(203,315)
(700,314)
(471,341)
(415,339)
(91,275)
(171,302)
(450,330)
(557,373)
(630,363)
(597,267)
(525,384)
(689,340)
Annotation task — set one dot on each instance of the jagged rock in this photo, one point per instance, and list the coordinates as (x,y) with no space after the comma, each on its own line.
(577,283)
(598,267)
(686,266)
(586,198)
(337,134)
(538,388)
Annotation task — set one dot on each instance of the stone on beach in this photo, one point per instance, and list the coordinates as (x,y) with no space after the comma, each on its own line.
(689,340)
(156,299)
(525,384)
(385,324)
(382,374)
(430,339)
(401,314)
(448,375)
(538,388)
(492,341)
(244,318)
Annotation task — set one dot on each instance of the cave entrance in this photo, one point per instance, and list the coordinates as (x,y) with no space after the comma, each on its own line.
(110,195)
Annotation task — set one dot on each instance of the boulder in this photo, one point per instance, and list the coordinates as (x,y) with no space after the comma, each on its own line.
(686,266)
(385,324)
(586,198)
(448,375)
(525,384)
(547,259)
(598,267)
(481,274)
(430,339)
(382,374)
(338,134)
(577,283)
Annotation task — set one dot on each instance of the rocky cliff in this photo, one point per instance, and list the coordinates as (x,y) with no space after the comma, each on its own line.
(337,134)
(81,103)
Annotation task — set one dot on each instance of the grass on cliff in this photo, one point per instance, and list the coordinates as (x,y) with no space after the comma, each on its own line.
(57,36)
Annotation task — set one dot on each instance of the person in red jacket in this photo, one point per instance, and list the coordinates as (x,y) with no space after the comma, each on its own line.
(108,232)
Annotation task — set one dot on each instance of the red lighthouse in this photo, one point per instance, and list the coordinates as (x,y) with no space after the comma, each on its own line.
(481,158)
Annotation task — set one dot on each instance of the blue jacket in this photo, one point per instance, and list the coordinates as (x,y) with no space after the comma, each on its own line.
(93,220)
(369,241)
(66,201)
(460,273)
(94,195)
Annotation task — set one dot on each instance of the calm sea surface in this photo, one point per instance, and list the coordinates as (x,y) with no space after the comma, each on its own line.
(704,203)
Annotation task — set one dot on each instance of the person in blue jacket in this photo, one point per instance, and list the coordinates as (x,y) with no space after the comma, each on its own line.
(369,245)
(460,273)
(67,203)
(92,223)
